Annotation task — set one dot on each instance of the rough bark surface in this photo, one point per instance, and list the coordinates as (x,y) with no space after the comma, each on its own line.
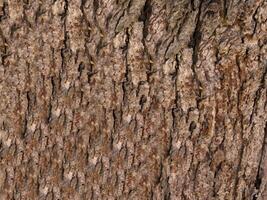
(133,99)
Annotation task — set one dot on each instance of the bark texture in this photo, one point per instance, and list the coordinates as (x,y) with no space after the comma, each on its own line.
(133,99)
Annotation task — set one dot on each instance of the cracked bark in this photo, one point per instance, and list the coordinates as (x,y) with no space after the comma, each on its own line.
(133,99)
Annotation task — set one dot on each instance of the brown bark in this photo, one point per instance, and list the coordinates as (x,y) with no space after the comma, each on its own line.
(133,99)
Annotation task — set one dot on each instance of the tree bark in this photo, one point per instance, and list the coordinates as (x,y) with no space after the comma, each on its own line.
(133,99)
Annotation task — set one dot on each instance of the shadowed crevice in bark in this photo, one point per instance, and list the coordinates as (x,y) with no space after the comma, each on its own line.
(194,44)
(260,171)
(145,15)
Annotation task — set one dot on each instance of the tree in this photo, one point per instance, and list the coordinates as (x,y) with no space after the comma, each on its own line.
(133,99)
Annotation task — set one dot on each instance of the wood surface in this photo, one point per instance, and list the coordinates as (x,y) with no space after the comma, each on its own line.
(133,99)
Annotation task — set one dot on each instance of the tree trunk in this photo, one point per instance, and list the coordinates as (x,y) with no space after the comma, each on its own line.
(133,99)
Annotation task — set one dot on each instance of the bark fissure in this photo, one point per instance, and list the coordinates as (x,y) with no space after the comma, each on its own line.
(194,44)
(259,176)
